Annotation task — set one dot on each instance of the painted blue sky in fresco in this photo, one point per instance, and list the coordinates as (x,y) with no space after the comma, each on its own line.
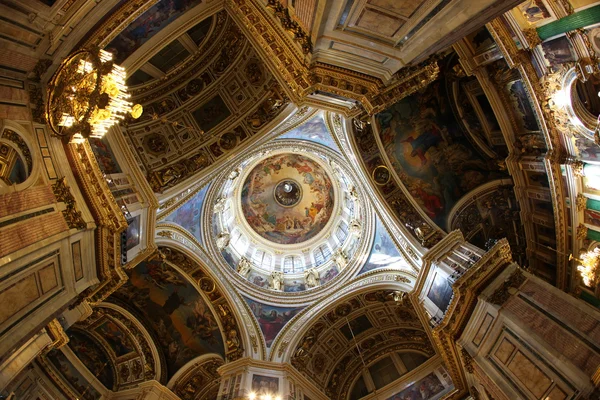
(313,130)
(384,253)
(188,216)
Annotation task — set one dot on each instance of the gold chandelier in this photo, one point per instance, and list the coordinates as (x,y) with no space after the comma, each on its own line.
(589,267)
(87,95)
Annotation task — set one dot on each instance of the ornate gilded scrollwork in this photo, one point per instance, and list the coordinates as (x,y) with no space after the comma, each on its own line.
(502,294)
(71,214)
(291,26)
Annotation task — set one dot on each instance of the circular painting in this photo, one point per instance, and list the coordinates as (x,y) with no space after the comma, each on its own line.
(287,198)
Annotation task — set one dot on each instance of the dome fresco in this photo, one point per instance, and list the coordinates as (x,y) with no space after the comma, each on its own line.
(287,198)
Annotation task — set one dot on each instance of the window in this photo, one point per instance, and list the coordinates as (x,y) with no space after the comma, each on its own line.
(262,259)
(292,264)
(342,231)
(322,254)
(383,372)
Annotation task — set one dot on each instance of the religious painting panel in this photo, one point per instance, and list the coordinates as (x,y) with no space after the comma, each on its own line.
(262,385)
(188,215)
(146,26)
(271,319)
(179,316)
(429,151)
(558,51)
(425,388)
(535,11)
(524,113)
(440,292)
(93,356)
(105,156)
(113,335)
(294,286)
(313,130)
(384,253)
(287,198)
(133,232)
(211,113)
(72,376)
(329,275)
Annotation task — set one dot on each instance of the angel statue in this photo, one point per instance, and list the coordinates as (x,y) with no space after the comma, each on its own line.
(223,240)
(355,227)
(311,276)
(244,267)
(220,205)
(276,280)
(340,258)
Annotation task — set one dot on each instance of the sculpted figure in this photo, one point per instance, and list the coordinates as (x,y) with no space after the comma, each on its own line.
(355,227)
(276,280)
(244,267)
(223,240)
(220,205)
(340,258)
(311,276)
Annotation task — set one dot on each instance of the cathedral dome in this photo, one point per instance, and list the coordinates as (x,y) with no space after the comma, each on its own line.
(288,217)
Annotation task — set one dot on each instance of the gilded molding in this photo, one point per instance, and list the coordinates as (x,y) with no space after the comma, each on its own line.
(503,293)
(581,202)
(290,26)
(57,334)
(70,213)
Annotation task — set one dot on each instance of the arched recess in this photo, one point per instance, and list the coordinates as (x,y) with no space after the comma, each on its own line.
(128,343)
(198,380)
(487,214)
(184,307)
(289,338)
(356,332)
(14,136)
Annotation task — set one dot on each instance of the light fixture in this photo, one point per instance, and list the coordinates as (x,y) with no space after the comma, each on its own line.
(87,95)
(589,267)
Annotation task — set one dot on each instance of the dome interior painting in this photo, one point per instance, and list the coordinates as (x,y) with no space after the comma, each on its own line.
(320,200)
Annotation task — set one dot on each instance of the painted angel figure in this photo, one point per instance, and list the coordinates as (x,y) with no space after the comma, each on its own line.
(311,276)
(276,280)
(244,267)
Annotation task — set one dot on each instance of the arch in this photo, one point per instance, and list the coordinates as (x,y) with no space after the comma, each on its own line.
(10,128)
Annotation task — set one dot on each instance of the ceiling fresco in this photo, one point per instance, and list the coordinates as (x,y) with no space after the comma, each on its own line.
(146,26)
(313,130)
(188,216)
(94,357)
(178,315)
(384,253)
(287,198)
(271,319)
(430,152)
(71,374)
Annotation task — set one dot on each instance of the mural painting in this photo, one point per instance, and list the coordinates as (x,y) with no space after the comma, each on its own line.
(270,318)
(558,51)
(265,384)
(146,26)
(72,375)
(181,319)
(428,150)
(287,198)
(425,388)
(440,292)
(133,232)
(258,279)
(534,11)
(592,217)
(384,253)
(118,341)
(93,356)
(329,275)
(314,130)
(105,156)
(294,286)
(586,149)
(188,215)
(522,106)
